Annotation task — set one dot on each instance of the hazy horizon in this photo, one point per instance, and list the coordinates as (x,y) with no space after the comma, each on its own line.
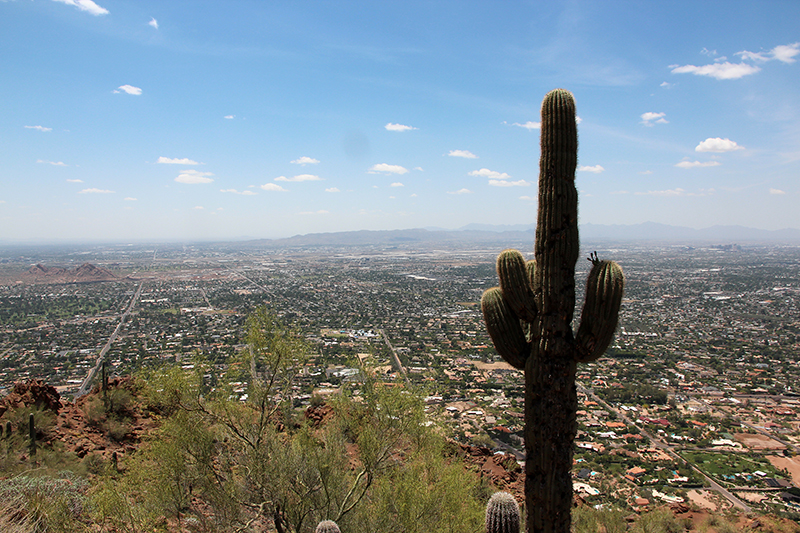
(205,121)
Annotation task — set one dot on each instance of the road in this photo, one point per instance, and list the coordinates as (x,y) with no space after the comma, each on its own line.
(397,362)
(656,441)
(84,388)
(238,273)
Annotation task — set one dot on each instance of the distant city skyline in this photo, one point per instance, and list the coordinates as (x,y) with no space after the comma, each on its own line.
(205,120)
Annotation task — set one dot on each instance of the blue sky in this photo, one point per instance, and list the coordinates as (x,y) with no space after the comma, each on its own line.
(142,120)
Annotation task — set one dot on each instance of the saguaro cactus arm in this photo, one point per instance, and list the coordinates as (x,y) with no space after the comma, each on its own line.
(504,328)
(600,313)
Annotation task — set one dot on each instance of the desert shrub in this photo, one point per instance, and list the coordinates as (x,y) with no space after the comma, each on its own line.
(658,521)
(587,519)
(42,503)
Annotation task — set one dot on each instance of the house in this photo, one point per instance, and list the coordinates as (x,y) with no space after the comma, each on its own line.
(790,498)
(636,471)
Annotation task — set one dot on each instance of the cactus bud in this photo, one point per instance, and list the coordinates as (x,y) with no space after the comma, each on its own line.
(502,514)
(327,526)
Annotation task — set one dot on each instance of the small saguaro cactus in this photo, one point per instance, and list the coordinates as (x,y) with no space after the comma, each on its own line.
(32,434)
(529,318)
(327,526)
(502,514)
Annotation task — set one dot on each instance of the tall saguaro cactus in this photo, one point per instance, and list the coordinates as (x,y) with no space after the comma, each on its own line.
(529,318)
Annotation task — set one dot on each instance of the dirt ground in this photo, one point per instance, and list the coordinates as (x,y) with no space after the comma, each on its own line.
(500,365)
(790,464)
(703,499)
(752,497)
(756,441)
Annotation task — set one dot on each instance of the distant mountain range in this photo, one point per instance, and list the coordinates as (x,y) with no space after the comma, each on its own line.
(512,234)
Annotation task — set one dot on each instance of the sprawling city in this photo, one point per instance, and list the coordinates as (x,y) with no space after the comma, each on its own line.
(696,402)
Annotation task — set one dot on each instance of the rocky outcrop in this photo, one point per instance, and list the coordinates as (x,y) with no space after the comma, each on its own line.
(34,393)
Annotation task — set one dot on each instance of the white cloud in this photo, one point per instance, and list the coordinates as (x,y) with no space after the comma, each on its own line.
(320,212)
(720,71)
(491,174)
(669,192)
(85,5)
(784,53)
(460,191)
(752,56)
(193,177)
(650,118)
(153,22)
(74,181)
(597,169)
(175,161)
(333,189)
(130,199)
(398,127)
(618,192)
(230,117)
(396,184)
(527,198)
(39,128)
(693,164)
(198,207)
(504,183)
(666,85)
(646,172)
(299,177)
(388,169)
(54,163)
(130,89)
(243,193)
(673,192)
(777,191)
(272,187)
(305,161)
(466,154)
(95,191)
(718,145)
(725,70)
(528,125)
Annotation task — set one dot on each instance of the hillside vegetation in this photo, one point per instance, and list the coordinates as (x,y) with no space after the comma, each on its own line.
(202,447)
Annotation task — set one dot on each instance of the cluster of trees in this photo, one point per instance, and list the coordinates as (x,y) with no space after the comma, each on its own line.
(27,310)
(374,465)
(638,393)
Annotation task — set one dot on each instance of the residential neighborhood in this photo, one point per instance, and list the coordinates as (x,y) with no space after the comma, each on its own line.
(696,400)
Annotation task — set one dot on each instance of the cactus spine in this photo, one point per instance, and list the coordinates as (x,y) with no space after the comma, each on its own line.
(502,514)
(327,526)
(529,318)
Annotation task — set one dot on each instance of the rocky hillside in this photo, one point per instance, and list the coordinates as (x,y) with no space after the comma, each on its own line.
(86,273)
